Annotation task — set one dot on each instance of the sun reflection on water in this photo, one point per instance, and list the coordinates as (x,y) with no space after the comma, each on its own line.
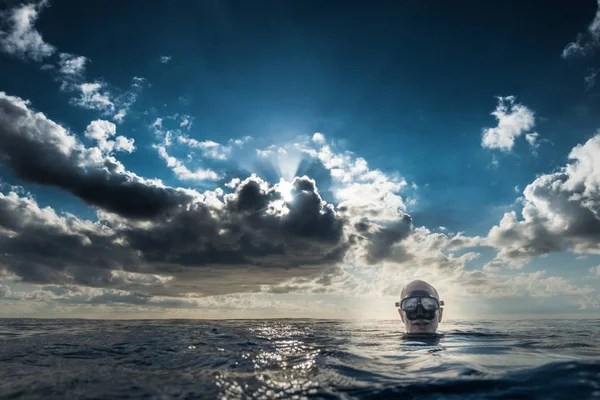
(283,368)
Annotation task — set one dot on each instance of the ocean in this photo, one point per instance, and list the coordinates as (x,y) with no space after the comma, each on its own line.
(297,359)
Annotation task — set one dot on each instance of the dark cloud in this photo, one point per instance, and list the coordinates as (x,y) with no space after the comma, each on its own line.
(76,295)
(41,247)
(158,240)
(383,240)
(203,249)
(244,232)
(40,151)
(561,212)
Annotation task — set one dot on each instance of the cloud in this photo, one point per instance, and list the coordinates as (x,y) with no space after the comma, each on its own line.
(74,301)
(178,167)
(165,59)
(71,294)
(240,142)
(186,122)
(71,64)
(119,117)
(513,120)
(96,95)
(101,131)
(248,238)
(422,253)
(318,138)
(586,42)
(18,36)
(209,148)
(153,244)
(215,245)
(531,138)
(360,190)
(595,270)
(534,284)
(263,153)
(43,152)
(139,82)
(590,79)
(181,171)
(93,96)
(590,303)
(561,212)
(174,139)
(124,101)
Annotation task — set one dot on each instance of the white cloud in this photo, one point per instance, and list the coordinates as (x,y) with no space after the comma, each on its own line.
(210,149)
(139,82)
(18,35)
(595,270)
(71,64)
(534,284)
(425,254)
(359,189)
(185,122)
(589,303)
(263,153)
(240,142)
(96,96)
(590,79)
(75,294)
(232,184)
(174,237)
(586,42)
(318,138)
(182,172)
(157,124)
(165,59)
(531,138)
(124,101)
(561,211)
(101,131)
(120,115)
(93,97)
(124,144)
(513,121)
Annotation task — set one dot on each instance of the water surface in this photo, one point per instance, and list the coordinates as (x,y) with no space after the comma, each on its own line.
(95,359)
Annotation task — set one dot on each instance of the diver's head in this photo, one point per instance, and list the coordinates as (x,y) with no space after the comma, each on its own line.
(420,307)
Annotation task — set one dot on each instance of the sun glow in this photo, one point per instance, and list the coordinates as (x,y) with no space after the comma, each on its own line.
(285,189)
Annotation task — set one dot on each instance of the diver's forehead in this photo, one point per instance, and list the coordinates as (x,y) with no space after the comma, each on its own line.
(418,290)
(418,293)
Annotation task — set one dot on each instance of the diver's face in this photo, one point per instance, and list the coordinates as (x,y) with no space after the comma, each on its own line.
(420,312)
(421,325)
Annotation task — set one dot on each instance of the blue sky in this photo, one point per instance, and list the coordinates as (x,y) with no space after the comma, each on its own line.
(414,131)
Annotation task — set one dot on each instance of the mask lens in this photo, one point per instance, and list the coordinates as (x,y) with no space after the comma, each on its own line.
(429,303)
(410,304)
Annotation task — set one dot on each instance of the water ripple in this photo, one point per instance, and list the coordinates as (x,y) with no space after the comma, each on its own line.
(297,358)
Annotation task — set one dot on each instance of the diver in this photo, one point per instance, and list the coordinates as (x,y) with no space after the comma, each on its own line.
(420,308)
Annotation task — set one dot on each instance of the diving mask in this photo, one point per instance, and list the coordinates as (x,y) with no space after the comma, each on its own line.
(419,304)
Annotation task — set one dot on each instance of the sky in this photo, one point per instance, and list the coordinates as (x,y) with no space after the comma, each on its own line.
(234,159)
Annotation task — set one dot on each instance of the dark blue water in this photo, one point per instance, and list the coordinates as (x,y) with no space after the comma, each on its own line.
(90,359)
